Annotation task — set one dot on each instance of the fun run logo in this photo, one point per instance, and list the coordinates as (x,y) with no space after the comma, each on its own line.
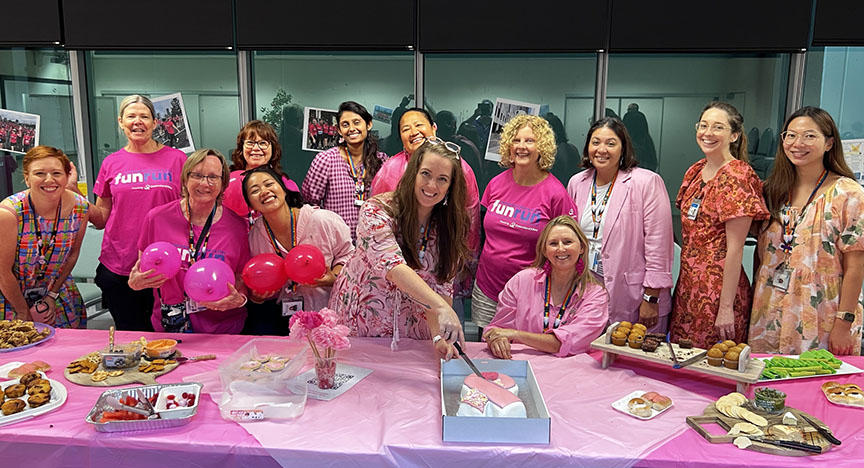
(515,212)
(186,257)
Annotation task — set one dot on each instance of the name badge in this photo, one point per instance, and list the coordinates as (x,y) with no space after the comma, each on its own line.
(193,307)
(290,306)
(781,277)
(359,202)
(693,211)
(595,260)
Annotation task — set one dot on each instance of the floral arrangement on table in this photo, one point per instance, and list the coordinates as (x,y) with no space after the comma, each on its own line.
(325,335)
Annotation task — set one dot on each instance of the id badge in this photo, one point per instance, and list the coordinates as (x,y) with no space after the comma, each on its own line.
(358,202)
(291,305)
(174,318)
(693,211)
(781,277)
(595,260)
(34,295)
(193,307)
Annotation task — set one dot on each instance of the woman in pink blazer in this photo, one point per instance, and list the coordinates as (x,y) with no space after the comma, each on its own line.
(627,218)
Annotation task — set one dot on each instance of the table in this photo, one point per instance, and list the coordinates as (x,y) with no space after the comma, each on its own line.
(392,418)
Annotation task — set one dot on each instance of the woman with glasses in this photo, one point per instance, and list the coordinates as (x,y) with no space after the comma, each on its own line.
(200,228)
(808,285)
(628,220)
(257,145)
(518,202)
(284,223)
(340,178)
(41,230)
(142,175)
(411,244)
(719,199)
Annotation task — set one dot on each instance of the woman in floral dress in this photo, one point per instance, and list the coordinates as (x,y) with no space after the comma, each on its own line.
(808,286)
(719,199)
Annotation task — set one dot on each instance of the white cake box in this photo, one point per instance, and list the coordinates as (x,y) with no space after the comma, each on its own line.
(531,430)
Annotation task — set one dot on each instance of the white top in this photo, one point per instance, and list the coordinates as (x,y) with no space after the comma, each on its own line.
(587,224)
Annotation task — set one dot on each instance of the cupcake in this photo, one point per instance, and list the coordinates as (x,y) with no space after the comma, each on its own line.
(625,324)
(715,357)
(624,330)
(722,346)
(619,339)
(635,339)
(730,360)
(640,327)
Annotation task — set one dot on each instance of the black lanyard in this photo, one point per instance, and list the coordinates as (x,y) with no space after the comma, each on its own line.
(196,249)
(46,249)
(547,301)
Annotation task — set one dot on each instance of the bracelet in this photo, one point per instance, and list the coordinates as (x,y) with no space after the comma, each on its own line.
(245,300)
(436,339)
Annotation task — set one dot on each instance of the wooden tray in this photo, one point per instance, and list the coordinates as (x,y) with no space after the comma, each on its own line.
(750,373)
(712,416)
(131,375)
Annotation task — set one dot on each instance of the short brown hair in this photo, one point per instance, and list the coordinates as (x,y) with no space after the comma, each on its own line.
(41,152)
(261,130)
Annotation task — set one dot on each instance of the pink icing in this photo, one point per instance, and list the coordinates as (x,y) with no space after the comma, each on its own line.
(496,394)
(502,380)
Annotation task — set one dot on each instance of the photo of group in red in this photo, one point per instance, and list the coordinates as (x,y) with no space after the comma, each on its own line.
(19,132)
(321,129)
(172,128)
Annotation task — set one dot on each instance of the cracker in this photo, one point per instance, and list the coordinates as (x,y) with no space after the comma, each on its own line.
(116,373)
(99,376)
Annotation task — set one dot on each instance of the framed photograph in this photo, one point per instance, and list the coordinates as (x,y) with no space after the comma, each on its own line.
(504,110)
(19,132)
(321,129)
(382,114)
(172,126)
(853,150)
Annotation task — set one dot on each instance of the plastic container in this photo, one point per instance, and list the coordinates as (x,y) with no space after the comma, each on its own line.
(768,399)
(168,419)
(160,349)
(177,392)
(258,392)
(130,358)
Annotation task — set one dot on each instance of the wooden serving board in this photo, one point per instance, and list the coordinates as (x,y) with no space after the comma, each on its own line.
(712,416)
(130,375)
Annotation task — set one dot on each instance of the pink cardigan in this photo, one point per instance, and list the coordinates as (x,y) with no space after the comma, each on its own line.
(520,307)
(637,241)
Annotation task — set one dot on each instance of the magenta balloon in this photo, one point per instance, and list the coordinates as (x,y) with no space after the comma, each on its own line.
(162,257)
(265,273)
(207,280)
(304,264)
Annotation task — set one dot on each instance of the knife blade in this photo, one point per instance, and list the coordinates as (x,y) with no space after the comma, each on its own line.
(467,360)
(790,444)
(825,432)
(677,364)
(691,360)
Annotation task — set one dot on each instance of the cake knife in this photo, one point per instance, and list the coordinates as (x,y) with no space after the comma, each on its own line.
(467,360)
(825,432)
(677,364)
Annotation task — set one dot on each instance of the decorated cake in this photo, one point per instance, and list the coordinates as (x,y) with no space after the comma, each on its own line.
(494,396)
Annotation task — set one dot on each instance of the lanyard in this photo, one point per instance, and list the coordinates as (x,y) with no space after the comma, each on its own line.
(547,297)
(196,249)
(46,249)
(272,237)
(597,212)
(357,173)
(788,227)
(424,231)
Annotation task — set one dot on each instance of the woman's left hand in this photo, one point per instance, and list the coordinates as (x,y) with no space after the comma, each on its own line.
(500,348)
(841,341)
(493,334)
(648,313)
(233,300)
(327,280)
(45,315)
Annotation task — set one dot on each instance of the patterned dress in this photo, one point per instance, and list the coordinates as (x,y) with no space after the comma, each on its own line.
(734,192)
(365,301)
(70,312)
(802,318)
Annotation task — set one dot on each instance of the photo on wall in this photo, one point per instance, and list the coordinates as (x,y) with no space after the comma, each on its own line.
(382,114)
(504,110)
(19,132)
(172,126)
(322,130)
(853,150)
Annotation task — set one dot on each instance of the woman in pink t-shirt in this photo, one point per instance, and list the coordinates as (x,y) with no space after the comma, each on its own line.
(519,202)
(200,228)
(142,175)
(555,305)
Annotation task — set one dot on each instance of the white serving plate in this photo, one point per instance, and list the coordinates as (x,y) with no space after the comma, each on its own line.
(621,405)
(58,397)
(844,369)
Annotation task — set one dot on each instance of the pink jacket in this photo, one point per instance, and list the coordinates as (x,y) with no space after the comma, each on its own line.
(637,241)
(520,307)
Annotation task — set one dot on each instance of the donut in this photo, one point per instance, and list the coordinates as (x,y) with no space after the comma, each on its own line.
(639,407)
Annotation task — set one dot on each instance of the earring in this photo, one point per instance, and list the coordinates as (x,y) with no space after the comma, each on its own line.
(580,266)
(445,200)
(547,267)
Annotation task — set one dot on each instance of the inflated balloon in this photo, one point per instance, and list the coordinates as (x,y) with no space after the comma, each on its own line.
(162,257)
(304,264)
(207,280)
(265,273)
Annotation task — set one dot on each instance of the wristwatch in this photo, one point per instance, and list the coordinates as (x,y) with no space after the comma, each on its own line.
(53,295)
(650,299)
(847,316)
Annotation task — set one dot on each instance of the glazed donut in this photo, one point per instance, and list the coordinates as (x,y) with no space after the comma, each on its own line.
(639,407)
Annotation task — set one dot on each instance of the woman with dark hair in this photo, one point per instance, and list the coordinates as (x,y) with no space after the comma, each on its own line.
(628,220)
(808,285)
(41,231)
(257,145)
(340,178)
(555,305)
(719,199)
(286,222)
(411,244)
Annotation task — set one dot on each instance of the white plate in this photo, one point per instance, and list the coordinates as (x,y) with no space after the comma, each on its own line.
(58,397)
(844,369)
(621,405)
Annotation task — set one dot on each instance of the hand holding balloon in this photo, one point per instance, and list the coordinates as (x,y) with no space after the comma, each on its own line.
(207,280)
(147,279)
(161,257)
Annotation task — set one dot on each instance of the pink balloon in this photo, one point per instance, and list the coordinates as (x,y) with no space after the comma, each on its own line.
(207,280)
(304,264)
(265,273)
(162,257)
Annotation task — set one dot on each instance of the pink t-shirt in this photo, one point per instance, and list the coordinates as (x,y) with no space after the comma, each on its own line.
(227,242)
(515,216)
(135,183)
(233,196)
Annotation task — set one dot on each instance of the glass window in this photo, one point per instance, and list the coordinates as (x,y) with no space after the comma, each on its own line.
(33,82)
(562,84)
(286,83)
(670,91)
(830,80)
(206,82)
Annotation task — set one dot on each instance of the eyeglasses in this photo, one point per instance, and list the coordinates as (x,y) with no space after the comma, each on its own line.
(447,144)
(263,144)
(808,138)
(212,179)
(715,129)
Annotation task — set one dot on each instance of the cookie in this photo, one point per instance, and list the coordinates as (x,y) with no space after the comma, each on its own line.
(15,391)
(27,378)
(41,386)
(13,406)
(38,399)
(116,373)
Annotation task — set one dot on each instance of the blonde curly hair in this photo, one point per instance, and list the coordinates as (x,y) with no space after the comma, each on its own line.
(542,131)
